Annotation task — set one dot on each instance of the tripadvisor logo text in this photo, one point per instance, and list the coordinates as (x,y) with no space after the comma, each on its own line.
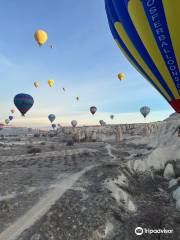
(140,231)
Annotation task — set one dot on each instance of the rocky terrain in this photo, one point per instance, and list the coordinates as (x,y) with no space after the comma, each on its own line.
(91,183)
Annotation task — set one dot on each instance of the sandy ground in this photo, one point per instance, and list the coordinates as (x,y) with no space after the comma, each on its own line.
(88,191)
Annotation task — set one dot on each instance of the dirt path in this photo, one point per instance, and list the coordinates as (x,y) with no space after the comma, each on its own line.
(39,209)
(109,148)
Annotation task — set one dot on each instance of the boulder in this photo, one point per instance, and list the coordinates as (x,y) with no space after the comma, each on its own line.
(176,194)
(178,205)
(169,171)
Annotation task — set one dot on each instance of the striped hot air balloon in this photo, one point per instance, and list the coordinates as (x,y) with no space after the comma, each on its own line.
(148,34)
(23,102)
(145,111)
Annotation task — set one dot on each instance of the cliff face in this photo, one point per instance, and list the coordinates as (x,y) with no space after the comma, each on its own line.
(110,133)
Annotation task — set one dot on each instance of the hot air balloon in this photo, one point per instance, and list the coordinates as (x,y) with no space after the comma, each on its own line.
(51,117)
(121,76)
(53,126)
(12,111)
(59,125)
(93,110)
(148,34)
(23,102)
(74,123)
(1,126)
(64,89)
(51,82)
(145,111)
(77,98)
(7,121)
(41,37)
(10,118)
(112,117)
(36,84)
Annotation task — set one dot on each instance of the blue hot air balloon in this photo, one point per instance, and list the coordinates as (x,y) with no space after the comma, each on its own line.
(23,102)
(51,117)
(10,118)
(145,111)
(148,34)
(53,126)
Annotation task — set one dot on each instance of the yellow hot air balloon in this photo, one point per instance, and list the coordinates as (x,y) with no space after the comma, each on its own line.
(36,84)
(50,82)
(41,37)
(121,76)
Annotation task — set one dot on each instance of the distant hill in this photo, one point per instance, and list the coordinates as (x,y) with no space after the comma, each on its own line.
(174,116)
(15,131)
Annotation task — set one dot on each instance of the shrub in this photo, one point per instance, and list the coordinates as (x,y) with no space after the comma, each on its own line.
(17,139)
(36,135)
(70,142)
(2,137)
(51,135)
(34,150)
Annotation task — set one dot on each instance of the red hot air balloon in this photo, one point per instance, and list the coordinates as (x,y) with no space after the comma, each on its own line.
(93,110)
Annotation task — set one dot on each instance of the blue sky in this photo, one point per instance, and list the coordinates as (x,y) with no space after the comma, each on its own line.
(85,60)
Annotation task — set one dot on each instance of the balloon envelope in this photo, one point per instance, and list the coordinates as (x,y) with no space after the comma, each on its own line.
(148,34)
(53,126)
(93,110)
(51,82)
(121,76)
(7,121)
(145,111)
(51,117)
(41,37)
(23,102)
(74,123)
(36,84)
(112,117)
(10,118)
